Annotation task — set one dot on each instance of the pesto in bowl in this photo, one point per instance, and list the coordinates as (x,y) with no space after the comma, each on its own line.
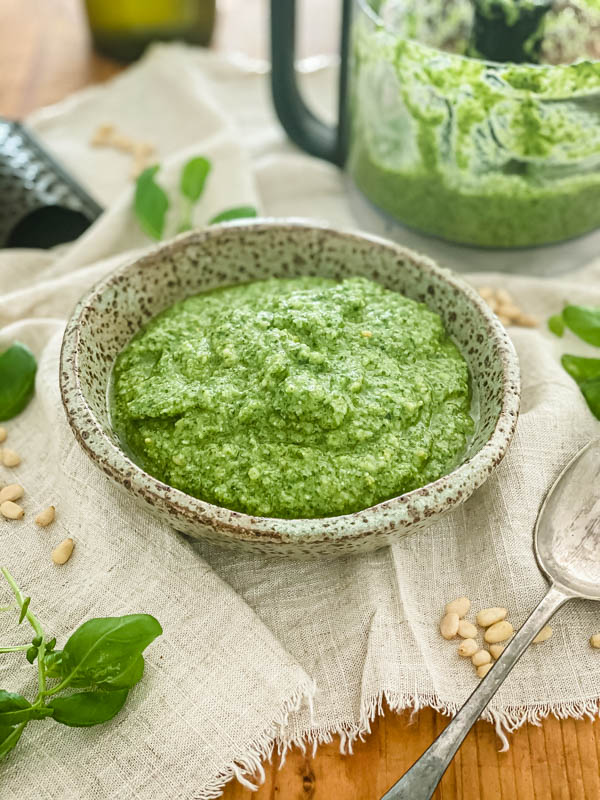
(294,398)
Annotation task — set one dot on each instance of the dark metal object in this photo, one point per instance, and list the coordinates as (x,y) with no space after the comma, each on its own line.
(41,205)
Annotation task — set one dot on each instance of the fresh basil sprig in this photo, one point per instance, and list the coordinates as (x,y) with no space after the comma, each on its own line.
(584,321)
(151,202)
(103,657)
(17,379)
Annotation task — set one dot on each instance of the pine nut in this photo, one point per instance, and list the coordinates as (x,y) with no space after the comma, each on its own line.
(595,641)
(466,629)
(509,310)
(488,616)
(468,648)
(526,320)
(481,657)
(45,517)
(496,650)
(10,458)
(486,292)
(503,297)
(543,635)
(460,606)
(11,510)
(498,632)
(503,318)
(3,434)
(449,626)
(62,552)
(11,492)
(483,670)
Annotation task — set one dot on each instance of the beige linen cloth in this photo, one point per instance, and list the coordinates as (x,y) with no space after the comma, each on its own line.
(257,653)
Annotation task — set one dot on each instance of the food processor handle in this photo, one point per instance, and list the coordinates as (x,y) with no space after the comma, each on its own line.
(302,126)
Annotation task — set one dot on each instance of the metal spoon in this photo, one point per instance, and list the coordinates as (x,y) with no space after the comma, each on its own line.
(567,548)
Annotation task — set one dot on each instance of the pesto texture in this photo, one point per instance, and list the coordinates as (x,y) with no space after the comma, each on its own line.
(294,398)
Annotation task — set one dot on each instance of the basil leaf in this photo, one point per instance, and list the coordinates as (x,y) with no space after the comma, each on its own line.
(9,738)
(556,324)
(581,369)
(17,379)
(151,203)
(52,664)
(15,708)
(88,708)
(238,212)
(591,391)
(584,321)
(103,650)
(193,178)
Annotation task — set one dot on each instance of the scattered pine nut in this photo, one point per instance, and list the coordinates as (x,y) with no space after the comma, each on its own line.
(496,650)
(3,434)
(45,517)
(10,458)
(460,606)
(108,136)
(11,510)
(595,641)
(12,492)
(468,648)
(543,635)
(102,135)
(483,670)
(466,629)
(62,552)
(502,304)
(498,632)
(449,626)
(489,616)
(481,657)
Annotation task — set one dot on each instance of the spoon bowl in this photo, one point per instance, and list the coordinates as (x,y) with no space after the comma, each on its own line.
(567,531)
(567,548)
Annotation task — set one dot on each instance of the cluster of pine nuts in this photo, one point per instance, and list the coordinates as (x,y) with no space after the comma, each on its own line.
(11,509)
(497,630)
(503,305)
(107,136)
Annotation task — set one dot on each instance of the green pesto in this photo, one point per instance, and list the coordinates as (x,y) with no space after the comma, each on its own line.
(294,398)
(482,154)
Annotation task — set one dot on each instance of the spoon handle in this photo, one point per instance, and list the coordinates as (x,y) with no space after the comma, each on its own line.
(420,782)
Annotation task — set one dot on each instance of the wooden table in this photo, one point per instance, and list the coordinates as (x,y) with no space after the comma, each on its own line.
(44,55)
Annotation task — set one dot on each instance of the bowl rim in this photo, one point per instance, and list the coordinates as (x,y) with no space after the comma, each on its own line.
(395,513)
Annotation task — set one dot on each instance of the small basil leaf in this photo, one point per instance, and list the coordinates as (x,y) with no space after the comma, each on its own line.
(581,369)
(102,649)
(88,708)
(584,321)
(9,738)
(52,663)
(193,178)
(556,324)
(17,379)
(31,654)
(24,608)
(591,391)
(151,203)
(239,212)
(49,645)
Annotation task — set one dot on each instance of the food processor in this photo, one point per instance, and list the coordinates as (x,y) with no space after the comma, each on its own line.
(467,128)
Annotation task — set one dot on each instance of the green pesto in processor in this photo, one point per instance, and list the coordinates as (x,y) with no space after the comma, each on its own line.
(294,398)
(487,154)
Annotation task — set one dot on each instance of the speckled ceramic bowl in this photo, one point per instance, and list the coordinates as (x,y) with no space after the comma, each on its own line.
(108,316)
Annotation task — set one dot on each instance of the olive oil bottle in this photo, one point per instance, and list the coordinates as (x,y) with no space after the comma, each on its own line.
(123,28)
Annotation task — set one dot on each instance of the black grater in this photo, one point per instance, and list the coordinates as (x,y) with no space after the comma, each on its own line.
(41,205)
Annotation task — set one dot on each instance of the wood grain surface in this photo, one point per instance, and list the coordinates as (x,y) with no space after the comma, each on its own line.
(44,55)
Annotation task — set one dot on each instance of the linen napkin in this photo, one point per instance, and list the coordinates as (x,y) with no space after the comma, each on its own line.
(261,653)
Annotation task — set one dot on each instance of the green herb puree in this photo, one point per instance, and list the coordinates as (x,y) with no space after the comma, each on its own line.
(294,398)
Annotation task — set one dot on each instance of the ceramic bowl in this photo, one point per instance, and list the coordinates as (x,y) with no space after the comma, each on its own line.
(117,307)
